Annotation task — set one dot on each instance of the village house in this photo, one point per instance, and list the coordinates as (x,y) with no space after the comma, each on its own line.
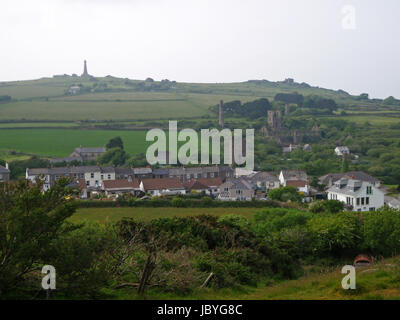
(330,179)
(265,181)
(236,190)
(4,173)
(210,186)
(88,154)
(118,187)
(124,173)
(159,187)
(93,175)
(187,174)
(357,195)
(342,151)
(295,178)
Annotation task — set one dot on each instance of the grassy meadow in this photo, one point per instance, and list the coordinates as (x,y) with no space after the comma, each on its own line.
(61,142)
(103,215)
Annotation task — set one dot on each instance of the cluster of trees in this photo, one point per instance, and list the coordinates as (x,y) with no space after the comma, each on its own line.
(172,255)
(251,110)
(312,102)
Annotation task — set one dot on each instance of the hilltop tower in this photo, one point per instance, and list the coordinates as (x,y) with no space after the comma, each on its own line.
(85,72)
(221,114)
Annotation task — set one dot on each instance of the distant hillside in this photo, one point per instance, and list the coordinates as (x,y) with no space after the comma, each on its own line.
(109,98)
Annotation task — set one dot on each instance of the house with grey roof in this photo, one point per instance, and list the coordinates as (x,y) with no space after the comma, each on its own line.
(357,195)
(88,154)
(93,175)
(236,190)
(330,178)
(265,181)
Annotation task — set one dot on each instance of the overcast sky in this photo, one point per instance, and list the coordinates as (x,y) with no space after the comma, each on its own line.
(312,41)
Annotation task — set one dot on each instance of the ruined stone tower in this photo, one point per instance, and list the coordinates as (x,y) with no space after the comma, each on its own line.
(85,72)
(275,120)
(221,114)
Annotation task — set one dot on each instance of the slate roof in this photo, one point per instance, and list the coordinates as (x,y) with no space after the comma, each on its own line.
(294,175)
(348,187)
(264,176)
(142,170)
(237,184)
(355,175)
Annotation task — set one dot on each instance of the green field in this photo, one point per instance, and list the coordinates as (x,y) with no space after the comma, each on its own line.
(115,106)
(102,215)
(61,142)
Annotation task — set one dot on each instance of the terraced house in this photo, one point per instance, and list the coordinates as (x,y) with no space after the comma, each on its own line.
(92,175)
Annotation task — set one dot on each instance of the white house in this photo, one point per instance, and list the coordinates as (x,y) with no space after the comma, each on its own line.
(357,195)
(166,186)
(292,175)
(341,151)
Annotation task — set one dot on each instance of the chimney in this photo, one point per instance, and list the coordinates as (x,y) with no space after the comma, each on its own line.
(221,114)
(7,165)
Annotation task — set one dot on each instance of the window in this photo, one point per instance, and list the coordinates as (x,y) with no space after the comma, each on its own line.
(348,200)
(195,175)
(226,189)
(358,201)
(92,175)
(204,175)
(87,183)
(109,177)
(367,200)
(102,177)
(212,175)
(188,176)
(362,201)
(369,190)
(371,209)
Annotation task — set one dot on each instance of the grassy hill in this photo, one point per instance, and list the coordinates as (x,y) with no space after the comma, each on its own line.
(112,98)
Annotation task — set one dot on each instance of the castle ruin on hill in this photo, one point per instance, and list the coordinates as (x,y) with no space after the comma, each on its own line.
(275,130)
